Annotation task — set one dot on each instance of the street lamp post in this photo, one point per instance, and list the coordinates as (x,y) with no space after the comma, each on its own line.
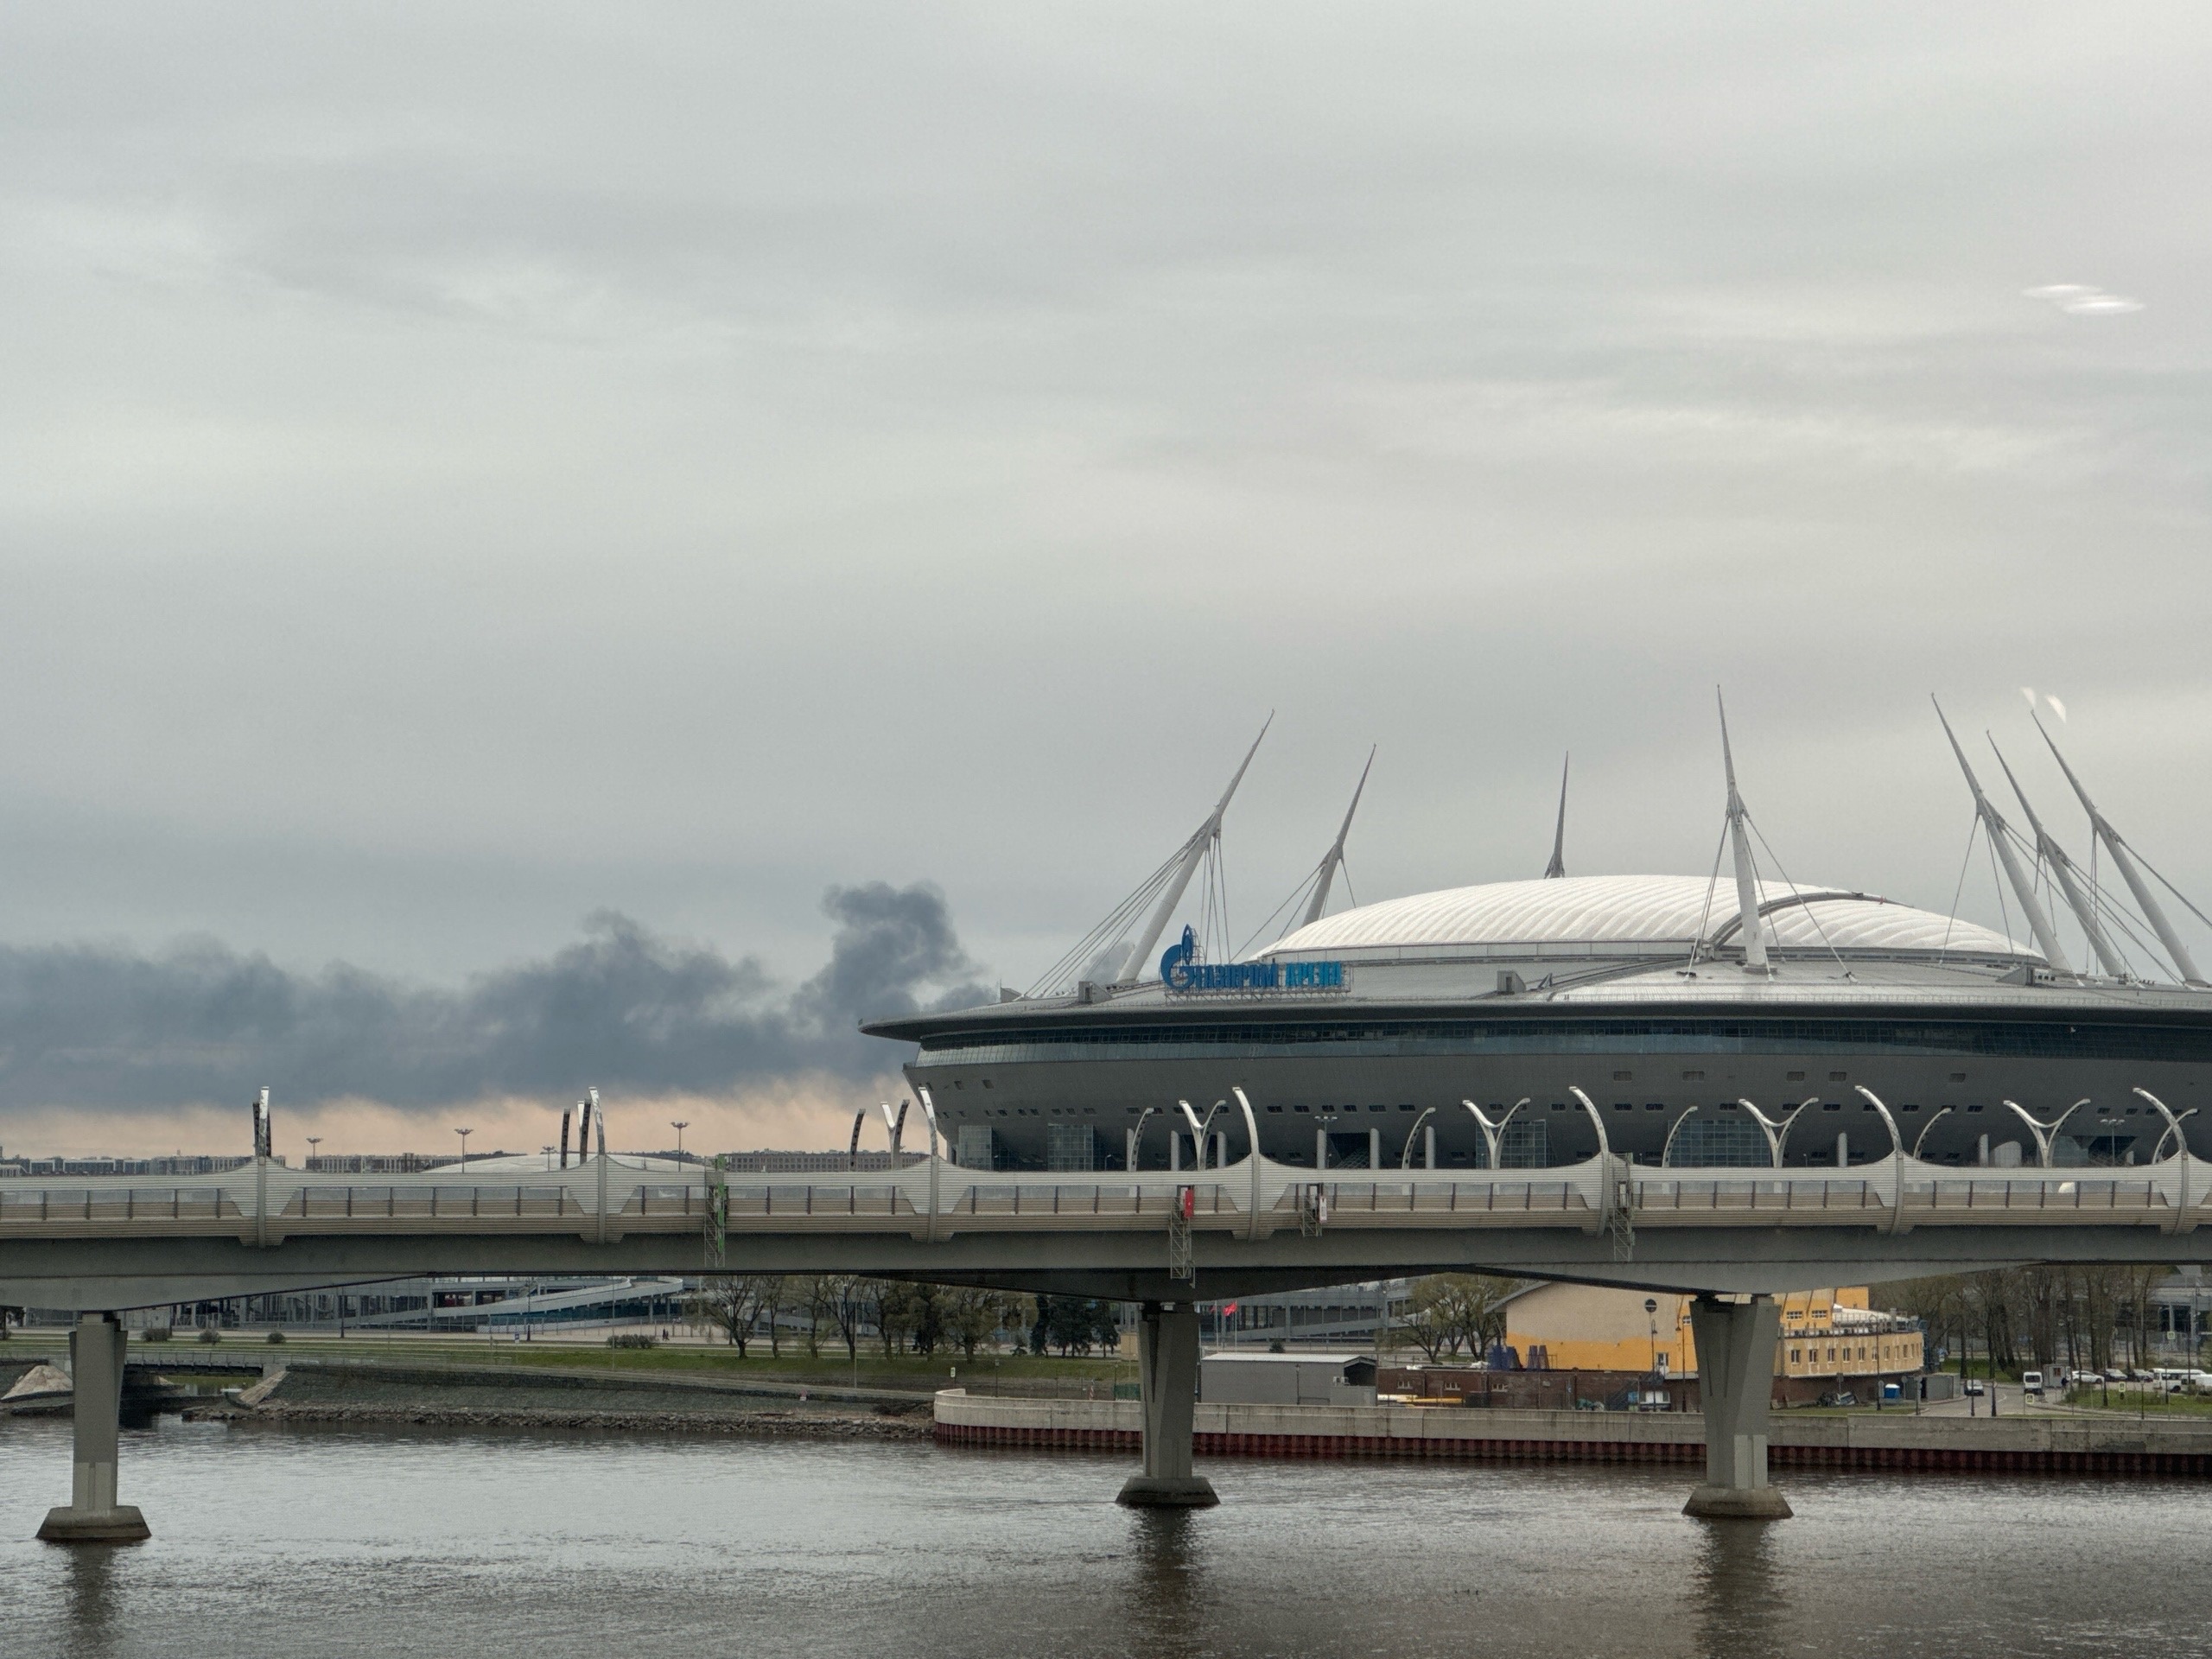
(313,1141)
(1651,1312)
(679,1127)
(464,1134)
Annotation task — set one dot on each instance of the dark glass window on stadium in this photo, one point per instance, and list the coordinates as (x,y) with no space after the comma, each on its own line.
(1524,1145)
(1716,1142)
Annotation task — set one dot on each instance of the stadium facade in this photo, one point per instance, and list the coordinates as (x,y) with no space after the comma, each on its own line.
(1702,1020)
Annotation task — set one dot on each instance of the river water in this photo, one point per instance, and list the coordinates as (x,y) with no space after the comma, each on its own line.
(303,1542)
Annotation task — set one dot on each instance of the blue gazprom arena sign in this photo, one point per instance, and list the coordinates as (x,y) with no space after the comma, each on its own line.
(1179,972)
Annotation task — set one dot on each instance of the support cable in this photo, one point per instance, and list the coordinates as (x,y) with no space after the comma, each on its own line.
(1800,906)
(1711,885)
(1957,891)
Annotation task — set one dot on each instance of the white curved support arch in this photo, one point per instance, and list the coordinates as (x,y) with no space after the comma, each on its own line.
(1597,1118)
(2182,1221)
(1198,1128)
(1776,1130)
(1616,1198)
(936,1159)
(2044,1133)
(1135,1142)
(1252,1157)
(1921,1140)
(1896,1156)
(1493,1133)
(1667,1152)
(1405,1158)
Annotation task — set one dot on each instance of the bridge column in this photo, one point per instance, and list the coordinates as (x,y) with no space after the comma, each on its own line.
(1168,1370)
(96,1368)
(1735,1381)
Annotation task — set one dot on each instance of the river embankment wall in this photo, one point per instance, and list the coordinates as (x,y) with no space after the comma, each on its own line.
(2055,1445)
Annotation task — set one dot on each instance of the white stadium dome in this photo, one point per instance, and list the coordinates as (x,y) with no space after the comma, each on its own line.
(1642,915)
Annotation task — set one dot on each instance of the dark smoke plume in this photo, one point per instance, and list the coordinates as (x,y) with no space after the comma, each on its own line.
(624,1008)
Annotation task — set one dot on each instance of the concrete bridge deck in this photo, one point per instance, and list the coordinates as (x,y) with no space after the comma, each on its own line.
(98,1247)
(1254,1226)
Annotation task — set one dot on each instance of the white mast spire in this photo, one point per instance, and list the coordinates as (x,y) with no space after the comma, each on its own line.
(1193,850)
(1747,891)
(1993,821)
(1557,868)
(1334,861)
(2082,904)
(2145,899)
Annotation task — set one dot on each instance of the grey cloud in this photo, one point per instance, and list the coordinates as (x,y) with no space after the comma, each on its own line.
(623,1007)
(995,412)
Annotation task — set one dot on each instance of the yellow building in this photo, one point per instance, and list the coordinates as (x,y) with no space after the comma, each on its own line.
(1825,1333)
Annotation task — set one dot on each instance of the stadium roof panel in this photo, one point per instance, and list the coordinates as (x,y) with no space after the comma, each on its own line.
(1640,911)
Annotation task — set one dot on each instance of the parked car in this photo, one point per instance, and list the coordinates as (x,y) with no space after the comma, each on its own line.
(2115,1377)
(1974,1385)
(2032,1382)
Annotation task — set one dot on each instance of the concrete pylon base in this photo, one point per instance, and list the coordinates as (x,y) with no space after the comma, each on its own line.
(1737,1503)
(121,1525)
(1156,1492)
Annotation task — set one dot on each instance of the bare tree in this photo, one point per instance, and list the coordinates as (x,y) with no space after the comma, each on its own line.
(773,1299)
(734,1306)
(849,1300)
(1993,1299)
(2141,1281)
(1938,1301)
(2044,1290)
(1449,1309)
(808,1298)
(897,1311)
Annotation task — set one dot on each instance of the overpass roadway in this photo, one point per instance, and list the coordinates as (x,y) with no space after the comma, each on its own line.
(1254,1226)
(1736,1236)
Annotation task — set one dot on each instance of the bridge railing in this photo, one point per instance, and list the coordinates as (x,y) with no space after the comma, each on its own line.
(1748,1191)
(1454,1199)
(943,1199)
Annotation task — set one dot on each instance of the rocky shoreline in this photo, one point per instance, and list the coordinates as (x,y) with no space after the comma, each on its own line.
(325,1394)
(910,1426)
(317,1392)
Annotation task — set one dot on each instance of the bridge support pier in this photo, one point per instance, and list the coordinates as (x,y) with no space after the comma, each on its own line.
(1168,1369)
(92,1516)
(1735,1372)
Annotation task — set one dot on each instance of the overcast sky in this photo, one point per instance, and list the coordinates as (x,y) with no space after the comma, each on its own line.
(470,470)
